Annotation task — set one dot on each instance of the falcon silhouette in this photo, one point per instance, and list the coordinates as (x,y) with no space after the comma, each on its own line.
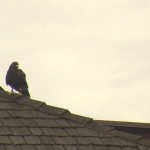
(16,79)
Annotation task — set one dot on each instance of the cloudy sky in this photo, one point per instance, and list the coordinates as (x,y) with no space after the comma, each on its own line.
(90,57)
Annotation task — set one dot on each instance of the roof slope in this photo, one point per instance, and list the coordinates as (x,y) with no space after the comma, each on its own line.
(27,124)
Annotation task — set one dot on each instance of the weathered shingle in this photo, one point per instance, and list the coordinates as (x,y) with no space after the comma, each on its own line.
(27,147)
(17,139)
(46,131)
(45,122)
(20,131)
(36,131)
(129,148)
(71,147)
(47,140)
(23,114)
(95,141)
(12,147)
(107,141)
(96,147)
(114,148)
(2,147)
(58,147)
(64,140)
(4,114)
(82,140)
(140,147)
(61,122)
(86,132)
(32,139)
(72,132)
(5,106)
(44,115)
(11,122)
(74,124)
(5,140)
(5,131)
(27,122)
(44,147)
(85,147)
(58,132)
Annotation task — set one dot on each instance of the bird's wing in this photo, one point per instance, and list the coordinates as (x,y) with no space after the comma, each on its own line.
(20,74)
(8,77)
(21,77)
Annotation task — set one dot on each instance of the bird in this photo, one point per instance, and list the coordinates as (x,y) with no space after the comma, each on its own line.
(16,79)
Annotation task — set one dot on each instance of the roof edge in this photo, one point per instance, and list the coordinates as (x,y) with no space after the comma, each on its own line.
(123,124)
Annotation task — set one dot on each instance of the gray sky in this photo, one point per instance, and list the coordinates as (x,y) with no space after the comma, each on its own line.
(90,57)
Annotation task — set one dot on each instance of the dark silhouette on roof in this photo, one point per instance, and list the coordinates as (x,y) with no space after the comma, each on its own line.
(27,124)
(16,78)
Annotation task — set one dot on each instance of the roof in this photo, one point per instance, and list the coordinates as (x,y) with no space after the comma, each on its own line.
(27,124)
(142,129)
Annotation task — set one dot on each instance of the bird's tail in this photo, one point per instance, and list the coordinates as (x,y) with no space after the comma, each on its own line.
(24,90)
(26,93)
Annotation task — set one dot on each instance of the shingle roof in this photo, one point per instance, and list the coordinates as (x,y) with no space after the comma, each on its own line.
(27,124)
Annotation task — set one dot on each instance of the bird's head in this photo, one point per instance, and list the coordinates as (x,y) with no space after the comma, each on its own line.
(15,65)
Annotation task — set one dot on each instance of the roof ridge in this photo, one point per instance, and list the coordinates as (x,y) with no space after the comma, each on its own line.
(125,123)
(66,114)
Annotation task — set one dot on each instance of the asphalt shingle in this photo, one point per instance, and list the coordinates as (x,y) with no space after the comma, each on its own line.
(27,147)
(64,140)
(86,132)
(61,122)
(58,132)
(20,131)
(32,139)
(85,147)
(101,147)
(11,122)
(44,147)
(5,140)
(5,131)
(27,122)
(12,147)
(47,140)
(71,147)
(82,140)
(58,147)
(36,131)
(4,114)
(2,147)
(17,139)
(129,148)
(72,132)
(114,148)
(23,114)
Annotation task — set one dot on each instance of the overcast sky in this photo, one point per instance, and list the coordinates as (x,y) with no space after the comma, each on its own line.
(91,57)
